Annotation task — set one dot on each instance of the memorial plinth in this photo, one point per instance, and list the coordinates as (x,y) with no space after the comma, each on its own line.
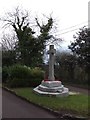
(51,86)
(54,88)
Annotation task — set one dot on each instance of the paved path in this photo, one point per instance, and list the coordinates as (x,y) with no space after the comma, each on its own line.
(14,107)
(77,89)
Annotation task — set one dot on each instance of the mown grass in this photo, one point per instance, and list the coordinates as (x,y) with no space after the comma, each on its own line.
(77,104)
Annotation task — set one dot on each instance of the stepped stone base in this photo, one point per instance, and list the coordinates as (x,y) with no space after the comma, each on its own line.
(54,88)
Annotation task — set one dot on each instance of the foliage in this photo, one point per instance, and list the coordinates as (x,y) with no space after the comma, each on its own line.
(8,51)
(22,76)
(65,63)
(68,70)
(10,56)
(18,71)
(81,46)
(75,67)
(8,41)
(4,74)
(80,76)
(37,72)
(29,47)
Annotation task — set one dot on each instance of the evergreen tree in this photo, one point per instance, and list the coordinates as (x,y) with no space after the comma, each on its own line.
(29,48)
(81,47)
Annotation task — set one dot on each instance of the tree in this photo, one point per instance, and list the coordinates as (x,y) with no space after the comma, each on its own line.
(8,42)
(8,49)
(66,63)
(81,47)
(0,57)
(29,48)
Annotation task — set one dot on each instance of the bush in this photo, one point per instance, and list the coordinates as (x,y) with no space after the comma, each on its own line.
(36,76)
(23,76)
(37,73)
(4,74)
(18,71)
(15,82)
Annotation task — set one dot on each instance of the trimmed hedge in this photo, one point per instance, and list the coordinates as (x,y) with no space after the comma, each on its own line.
(22,76)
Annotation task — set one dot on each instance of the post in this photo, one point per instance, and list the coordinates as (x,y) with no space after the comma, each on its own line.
(51,52)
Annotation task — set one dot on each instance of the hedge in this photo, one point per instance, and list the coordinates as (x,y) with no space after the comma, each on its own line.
(22,76)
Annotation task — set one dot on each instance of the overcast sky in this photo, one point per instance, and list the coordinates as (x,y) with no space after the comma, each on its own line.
(67,13)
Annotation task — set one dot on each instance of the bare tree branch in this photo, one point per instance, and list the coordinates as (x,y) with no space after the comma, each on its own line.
(8,42)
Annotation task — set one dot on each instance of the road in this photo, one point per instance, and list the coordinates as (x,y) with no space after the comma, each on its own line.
(14,107)
(0,103)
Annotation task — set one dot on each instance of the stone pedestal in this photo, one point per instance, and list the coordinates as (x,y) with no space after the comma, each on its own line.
(54,88)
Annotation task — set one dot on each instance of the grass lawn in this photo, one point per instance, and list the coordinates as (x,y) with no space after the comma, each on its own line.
(76,104)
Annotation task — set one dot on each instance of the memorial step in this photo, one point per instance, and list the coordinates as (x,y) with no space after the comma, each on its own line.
(64,93)
(50,89)
(51,83)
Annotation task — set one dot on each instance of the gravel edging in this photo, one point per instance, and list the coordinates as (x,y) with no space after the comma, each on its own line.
(56,113)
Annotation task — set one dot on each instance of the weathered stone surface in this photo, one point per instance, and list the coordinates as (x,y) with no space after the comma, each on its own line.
(51,83)
(54,88)
(50,89)
(51,52)
(57,94)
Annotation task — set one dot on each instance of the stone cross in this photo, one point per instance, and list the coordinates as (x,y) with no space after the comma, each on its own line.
(51,53)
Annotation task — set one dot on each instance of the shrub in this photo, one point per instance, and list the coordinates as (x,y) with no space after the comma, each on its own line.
(37,73)
(36,76)
(18,71)
(4,74)
(17,82)
(23,76)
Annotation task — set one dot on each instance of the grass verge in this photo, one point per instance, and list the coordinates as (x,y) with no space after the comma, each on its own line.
(76,104)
